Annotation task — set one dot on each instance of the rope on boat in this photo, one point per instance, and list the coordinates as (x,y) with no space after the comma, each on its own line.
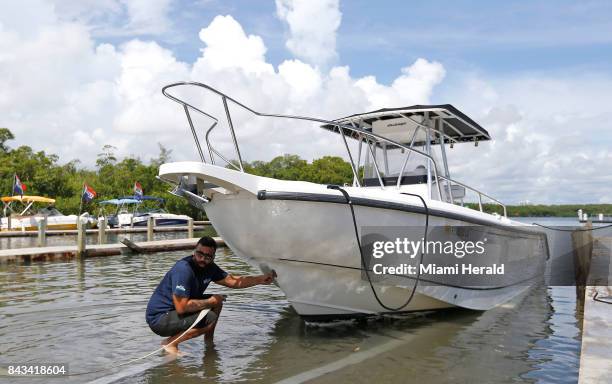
(363,263)
(605,301)
(112,366)
(573,230)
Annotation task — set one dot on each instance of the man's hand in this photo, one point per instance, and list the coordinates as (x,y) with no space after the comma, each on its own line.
(268,278)
(185,305)
(215,300)
(232,281)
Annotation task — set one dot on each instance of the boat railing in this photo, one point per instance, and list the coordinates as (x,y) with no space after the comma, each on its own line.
(362,135)
(479,193)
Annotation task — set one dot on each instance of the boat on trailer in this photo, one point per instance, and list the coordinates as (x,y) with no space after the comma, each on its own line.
(314,239)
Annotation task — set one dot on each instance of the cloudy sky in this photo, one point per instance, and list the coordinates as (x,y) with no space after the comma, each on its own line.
(76,75)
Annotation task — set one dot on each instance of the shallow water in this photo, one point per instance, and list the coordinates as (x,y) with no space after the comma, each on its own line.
(91,314)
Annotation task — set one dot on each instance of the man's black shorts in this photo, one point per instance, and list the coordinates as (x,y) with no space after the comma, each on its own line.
(171,323)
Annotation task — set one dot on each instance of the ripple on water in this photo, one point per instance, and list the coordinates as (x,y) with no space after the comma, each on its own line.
(91,314)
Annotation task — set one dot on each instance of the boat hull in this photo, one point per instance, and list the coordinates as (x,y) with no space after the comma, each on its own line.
(312,247)
(160,220)
(305,232)
(30,223)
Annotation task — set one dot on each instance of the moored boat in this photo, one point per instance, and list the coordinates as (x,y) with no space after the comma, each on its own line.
(131,211)
(315,236)
(24,213)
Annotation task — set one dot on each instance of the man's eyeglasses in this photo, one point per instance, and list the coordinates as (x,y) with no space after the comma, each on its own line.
(210,256)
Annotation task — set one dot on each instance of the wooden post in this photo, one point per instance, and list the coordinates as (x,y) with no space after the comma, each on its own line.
(42,232)
(150,221)
(583,250)
(190,228)
(81,237)
(102,230)
(132,227)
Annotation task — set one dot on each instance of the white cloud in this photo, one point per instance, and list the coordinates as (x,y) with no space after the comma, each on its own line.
(312,25)
(304,81)
(227,46)
(65,94)
(414,86)
(62,92)
(551,137)
(114,17)
(148,16)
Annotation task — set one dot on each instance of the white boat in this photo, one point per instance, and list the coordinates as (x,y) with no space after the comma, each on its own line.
(27,217)
(311,237)
(131,212)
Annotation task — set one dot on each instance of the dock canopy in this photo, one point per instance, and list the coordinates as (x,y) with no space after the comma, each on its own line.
(27,199)
(399,124)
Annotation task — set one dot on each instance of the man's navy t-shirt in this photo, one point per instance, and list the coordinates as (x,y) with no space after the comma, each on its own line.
(185,279)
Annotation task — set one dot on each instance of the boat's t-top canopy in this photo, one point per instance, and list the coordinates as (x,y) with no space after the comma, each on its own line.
(119,201)
(400,124)
(132,200)
(27,199)
(140,199)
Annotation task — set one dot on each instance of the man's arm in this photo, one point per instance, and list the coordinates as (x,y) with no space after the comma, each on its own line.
(232,281)
(185,305)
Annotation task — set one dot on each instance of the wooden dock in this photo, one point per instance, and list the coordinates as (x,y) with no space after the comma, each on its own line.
(198,226)
(596,348)
(68,252)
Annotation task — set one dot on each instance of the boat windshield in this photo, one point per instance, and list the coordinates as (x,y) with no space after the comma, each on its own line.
(49,211)
(393,161)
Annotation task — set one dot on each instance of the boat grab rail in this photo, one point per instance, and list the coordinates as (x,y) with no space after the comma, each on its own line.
(360,131)
(480,194)
(226,98)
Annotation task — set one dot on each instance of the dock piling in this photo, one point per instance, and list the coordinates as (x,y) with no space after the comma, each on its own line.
(190,228)
(102,230)
(583,249)
(150,225)
(81,236)
(42,232)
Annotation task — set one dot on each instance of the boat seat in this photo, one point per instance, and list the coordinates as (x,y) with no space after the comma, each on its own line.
(417,176)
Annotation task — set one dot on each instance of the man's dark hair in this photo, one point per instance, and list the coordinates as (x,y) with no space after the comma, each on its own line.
(208,241)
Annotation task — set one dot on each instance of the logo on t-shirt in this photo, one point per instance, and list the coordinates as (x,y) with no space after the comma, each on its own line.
(180,287)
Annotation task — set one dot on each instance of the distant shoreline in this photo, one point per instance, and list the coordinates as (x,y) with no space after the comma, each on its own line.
(543,210)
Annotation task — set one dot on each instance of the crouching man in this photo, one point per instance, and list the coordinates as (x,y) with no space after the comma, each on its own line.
(179,297)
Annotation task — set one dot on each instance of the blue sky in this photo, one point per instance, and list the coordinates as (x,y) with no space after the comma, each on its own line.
(489,36)
(75,75)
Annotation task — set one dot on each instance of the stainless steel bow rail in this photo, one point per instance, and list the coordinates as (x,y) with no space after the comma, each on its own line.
(359,133)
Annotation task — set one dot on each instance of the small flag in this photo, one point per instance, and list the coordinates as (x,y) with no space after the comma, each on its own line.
(18,187)
(137,190)
(88,193)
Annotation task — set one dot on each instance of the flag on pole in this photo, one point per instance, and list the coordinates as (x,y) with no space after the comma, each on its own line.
(88,193)
(18,187)
(137,190)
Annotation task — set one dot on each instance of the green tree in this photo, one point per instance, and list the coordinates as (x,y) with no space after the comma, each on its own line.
(5,135)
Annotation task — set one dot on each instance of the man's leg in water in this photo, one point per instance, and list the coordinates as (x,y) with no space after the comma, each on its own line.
(210,333)
(172,342)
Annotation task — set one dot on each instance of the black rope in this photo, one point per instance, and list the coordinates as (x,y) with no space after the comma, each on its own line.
(600,300)
(572,230)
(363,263)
